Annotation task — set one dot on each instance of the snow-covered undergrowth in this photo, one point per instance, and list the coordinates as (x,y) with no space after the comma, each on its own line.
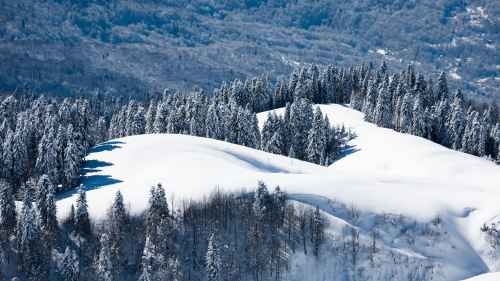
(424,203)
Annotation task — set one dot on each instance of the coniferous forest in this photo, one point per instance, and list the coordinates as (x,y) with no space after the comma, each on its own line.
(249,235)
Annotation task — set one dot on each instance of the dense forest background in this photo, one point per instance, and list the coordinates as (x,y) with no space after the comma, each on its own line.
(136,47)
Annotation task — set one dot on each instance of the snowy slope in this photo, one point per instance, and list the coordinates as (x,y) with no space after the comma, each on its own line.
(188,167)
(389,172)
(485,277)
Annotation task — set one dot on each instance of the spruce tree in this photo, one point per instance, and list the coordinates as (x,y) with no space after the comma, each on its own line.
(456,123)
(69,267)
(213,260)
(8,218)
(301,116)
(32,261)
(105,269)
(82,220)
(405,114)
(316,141)
(442,87)
(117,228)
(318,229)
(383,111)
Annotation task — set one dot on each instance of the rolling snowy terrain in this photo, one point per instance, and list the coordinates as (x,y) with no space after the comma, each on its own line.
(386,173)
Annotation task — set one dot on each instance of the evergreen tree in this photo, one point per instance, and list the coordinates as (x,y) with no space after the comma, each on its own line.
(46,162)
(456,124)
(32,260)
(275,144)
(105,270)
(418,126)
(158,254)
(213,260)
(383,111)
(316,144)
(150,118)
(82,220)
(442,87)
(405,114)
(7,211)
(370,101)
(117,228)
(318,229)
(301,116)
(69,267)
(72,160)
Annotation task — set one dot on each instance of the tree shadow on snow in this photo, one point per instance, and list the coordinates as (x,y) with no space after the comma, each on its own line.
(107,146)
(263,167)
(93,165)
(348,150)
(90,183)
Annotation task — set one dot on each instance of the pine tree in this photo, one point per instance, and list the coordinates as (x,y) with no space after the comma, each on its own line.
(456,124)
(405,114)
(318,229)
(160,123)
(301,116)
(442,87)
(158,253)
(69,267)
(8,218)
(275,144)
(105,270)
(214,125)
(46,162)
(72,161)
(82,220)
(32,254)
(137,123)
(316,144)
(370,101)
(117,228)
(101,131)
(383,111)
(213,260)
(150,118)
(418,126)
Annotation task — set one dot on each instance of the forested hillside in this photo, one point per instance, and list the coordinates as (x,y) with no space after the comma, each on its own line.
(136,47)
(50,135)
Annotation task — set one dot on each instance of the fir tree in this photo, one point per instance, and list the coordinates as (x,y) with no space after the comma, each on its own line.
(32,254)
(82,220)
(383,111)
(69,267)
(316,143)
(105,270)
(117,228)
(456,124)
(213,260)
(7,211)
(317,228)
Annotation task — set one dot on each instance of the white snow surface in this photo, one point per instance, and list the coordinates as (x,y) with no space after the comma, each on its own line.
(486,277)
(386,172)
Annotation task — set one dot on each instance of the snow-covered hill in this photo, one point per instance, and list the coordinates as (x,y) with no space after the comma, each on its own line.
(387,172)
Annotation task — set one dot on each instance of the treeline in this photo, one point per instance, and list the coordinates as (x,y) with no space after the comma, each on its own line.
(229,236)
(52,136)
(408,102)
(41,135)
